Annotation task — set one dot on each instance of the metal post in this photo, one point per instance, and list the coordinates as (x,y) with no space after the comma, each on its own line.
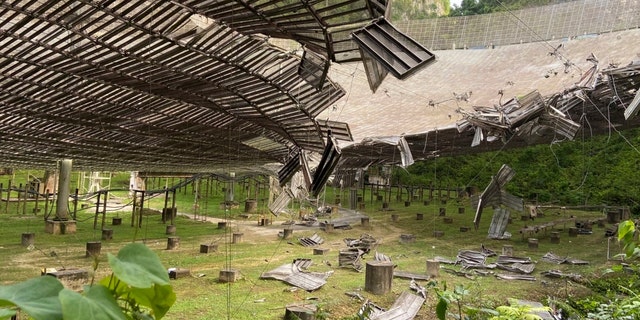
(104,208)
(95,218)
(75,204)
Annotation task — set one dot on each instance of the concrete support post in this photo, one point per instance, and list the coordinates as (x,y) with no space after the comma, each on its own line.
(62,202)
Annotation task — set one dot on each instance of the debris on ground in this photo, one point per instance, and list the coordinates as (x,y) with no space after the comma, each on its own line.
(292,274)
(553,258)
(350,258)
(515,277)
(364,243)
(405,307)
(312,241)
(559,274)
(420,290)
(470,259)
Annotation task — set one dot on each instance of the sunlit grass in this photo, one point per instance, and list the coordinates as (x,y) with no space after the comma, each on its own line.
(202,296)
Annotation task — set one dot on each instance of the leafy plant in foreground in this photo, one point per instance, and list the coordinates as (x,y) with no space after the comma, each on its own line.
(138,288)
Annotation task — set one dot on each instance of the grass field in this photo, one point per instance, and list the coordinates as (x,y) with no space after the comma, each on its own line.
(202,296)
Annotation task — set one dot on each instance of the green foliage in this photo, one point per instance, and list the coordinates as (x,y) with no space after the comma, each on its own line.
(42,303)
(618,309)
(138,288)
(419,9)
(596,170)
(626,231)
(471,7)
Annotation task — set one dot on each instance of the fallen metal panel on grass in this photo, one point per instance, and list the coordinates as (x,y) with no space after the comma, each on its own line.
(515,277)
(314,240)
(405,307)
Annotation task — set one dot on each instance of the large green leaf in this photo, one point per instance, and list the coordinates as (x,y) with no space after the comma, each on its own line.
(138,266)
(38,297)
(441,309)
(7,313)
(97,303)
(158,298)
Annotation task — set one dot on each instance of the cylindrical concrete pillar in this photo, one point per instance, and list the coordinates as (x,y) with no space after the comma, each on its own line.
(378,277)
(62,202)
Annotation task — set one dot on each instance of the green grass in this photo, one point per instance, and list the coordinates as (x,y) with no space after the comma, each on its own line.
(203,297)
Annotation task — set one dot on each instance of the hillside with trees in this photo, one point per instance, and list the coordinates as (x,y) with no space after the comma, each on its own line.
(403,10)
(587,171)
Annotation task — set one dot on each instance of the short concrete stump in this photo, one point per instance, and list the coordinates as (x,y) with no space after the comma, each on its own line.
(395,217)
(328,227)
(107,234)
(419,216)
(300,312)
(442,212)
(28,238)
(461,210)
(116,221)
(250,206)
(438,234)
(447,220)
(433,268)
(222,225)
(208,248)
(237,237)
(177,273)
(533,243)
(385,205)
(93,249)
(507,250)
(173,243)
(60,227)
(170,230)
(378,277)
(287,233)
(407,203)
(573,232)
(555,237)
(426,202)
(320,251)
(407,238)
(464,229)
(264,222)
(364,222)
(229,275)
